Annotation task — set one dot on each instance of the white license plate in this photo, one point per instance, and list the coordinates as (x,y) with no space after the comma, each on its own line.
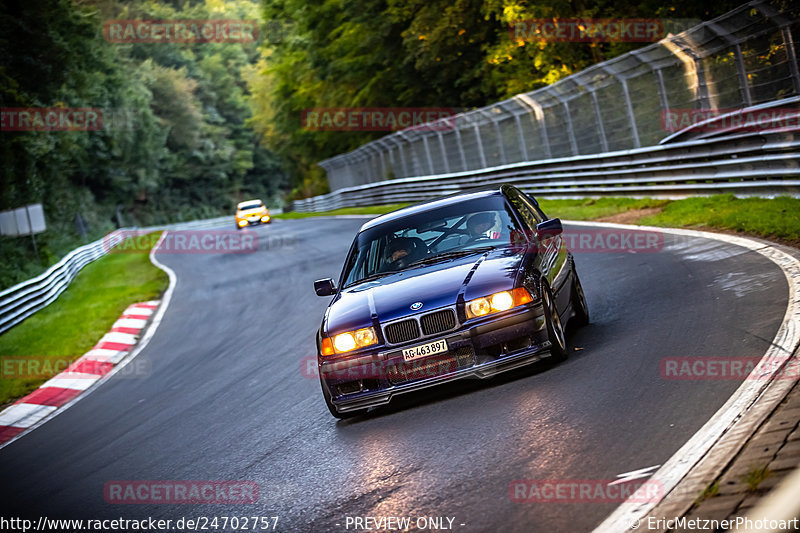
(424,350)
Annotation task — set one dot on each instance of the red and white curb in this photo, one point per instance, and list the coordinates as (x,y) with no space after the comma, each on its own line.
(80,375)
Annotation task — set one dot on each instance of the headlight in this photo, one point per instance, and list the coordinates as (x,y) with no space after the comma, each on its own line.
(242,222)
(349,341)
(499,301)
(265,218)
(344,342)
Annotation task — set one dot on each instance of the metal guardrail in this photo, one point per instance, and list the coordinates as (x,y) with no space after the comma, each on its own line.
(196,224)
(743,58)
(764,163)
(21,301)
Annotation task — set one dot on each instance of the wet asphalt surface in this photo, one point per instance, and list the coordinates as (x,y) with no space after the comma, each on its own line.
(221,395)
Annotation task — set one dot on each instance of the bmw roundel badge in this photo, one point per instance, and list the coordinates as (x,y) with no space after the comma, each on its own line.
(416,305)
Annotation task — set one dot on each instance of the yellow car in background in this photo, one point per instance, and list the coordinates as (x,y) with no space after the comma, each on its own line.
(251,212)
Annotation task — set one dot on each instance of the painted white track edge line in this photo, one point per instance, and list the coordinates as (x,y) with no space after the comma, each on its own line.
(699,445)
(151,330)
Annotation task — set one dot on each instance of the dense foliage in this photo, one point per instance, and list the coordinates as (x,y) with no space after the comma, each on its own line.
(415,53)
(174,143)
(192,128)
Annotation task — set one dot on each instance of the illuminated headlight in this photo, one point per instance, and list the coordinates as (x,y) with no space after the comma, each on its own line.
(349,341)
(499,301)
(242,222)
(265,218)
(344,342)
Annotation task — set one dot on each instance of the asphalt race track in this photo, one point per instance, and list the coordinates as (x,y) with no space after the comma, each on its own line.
(224,397)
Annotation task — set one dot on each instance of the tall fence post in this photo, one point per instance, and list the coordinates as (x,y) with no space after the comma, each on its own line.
(401,152)
(601,128)
(445,157)
(744,85)
(523,148)
(573,144)
(501,149)
(631,117)
(428,154)
(791,57)
(460,143)
(480,145)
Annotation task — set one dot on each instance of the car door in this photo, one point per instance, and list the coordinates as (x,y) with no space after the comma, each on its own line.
(538,259)
(554,262)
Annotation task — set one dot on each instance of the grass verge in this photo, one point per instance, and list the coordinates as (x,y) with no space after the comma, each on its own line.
(594,208)
(776,217)
(771,218)
(72,325)
(368,210)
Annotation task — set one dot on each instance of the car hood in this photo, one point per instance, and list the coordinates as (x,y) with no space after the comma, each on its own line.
(434,286)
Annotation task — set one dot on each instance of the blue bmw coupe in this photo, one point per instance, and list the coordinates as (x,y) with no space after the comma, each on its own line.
(469,285)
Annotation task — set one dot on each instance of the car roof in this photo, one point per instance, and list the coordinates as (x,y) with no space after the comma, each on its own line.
(436,203)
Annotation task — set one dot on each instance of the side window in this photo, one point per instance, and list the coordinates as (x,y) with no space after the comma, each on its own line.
(537,213)
(524,210)
(375,254)
(355,267)
(528,217)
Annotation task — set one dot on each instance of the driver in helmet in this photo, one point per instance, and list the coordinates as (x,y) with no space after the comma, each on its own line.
(398,254)
(479,224)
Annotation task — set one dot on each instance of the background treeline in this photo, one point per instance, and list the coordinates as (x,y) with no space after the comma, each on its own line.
(175,144)
(438,53)
(192,128)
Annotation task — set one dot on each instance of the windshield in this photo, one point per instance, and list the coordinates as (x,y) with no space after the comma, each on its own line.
(251,205)
(468,227)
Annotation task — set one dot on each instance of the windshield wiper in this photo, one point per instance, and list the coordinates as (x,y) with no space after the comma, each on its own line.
(372,277)
(452,254)
(449,255)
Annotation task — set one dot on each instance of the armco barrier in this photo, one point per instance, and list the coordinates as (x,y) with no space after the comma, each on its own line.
(746,163)
(22,300)
(743,58)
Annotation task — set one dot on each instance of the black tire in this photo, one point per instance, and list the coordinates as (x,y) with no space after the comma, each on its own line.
(581,316)
(332,408)
(555,330)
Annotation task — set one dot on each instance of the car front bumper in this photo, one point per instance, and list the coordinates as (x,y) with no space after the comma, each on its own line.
(252,221)
(496,345)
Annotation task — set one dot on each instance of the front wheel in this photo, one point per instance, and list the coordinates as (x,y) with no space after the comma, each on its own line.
(581,310)
(555,331)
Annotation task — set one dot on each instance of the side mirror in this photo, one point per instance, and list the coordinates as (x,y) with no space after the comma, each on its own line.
(549,228)
(325,287)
